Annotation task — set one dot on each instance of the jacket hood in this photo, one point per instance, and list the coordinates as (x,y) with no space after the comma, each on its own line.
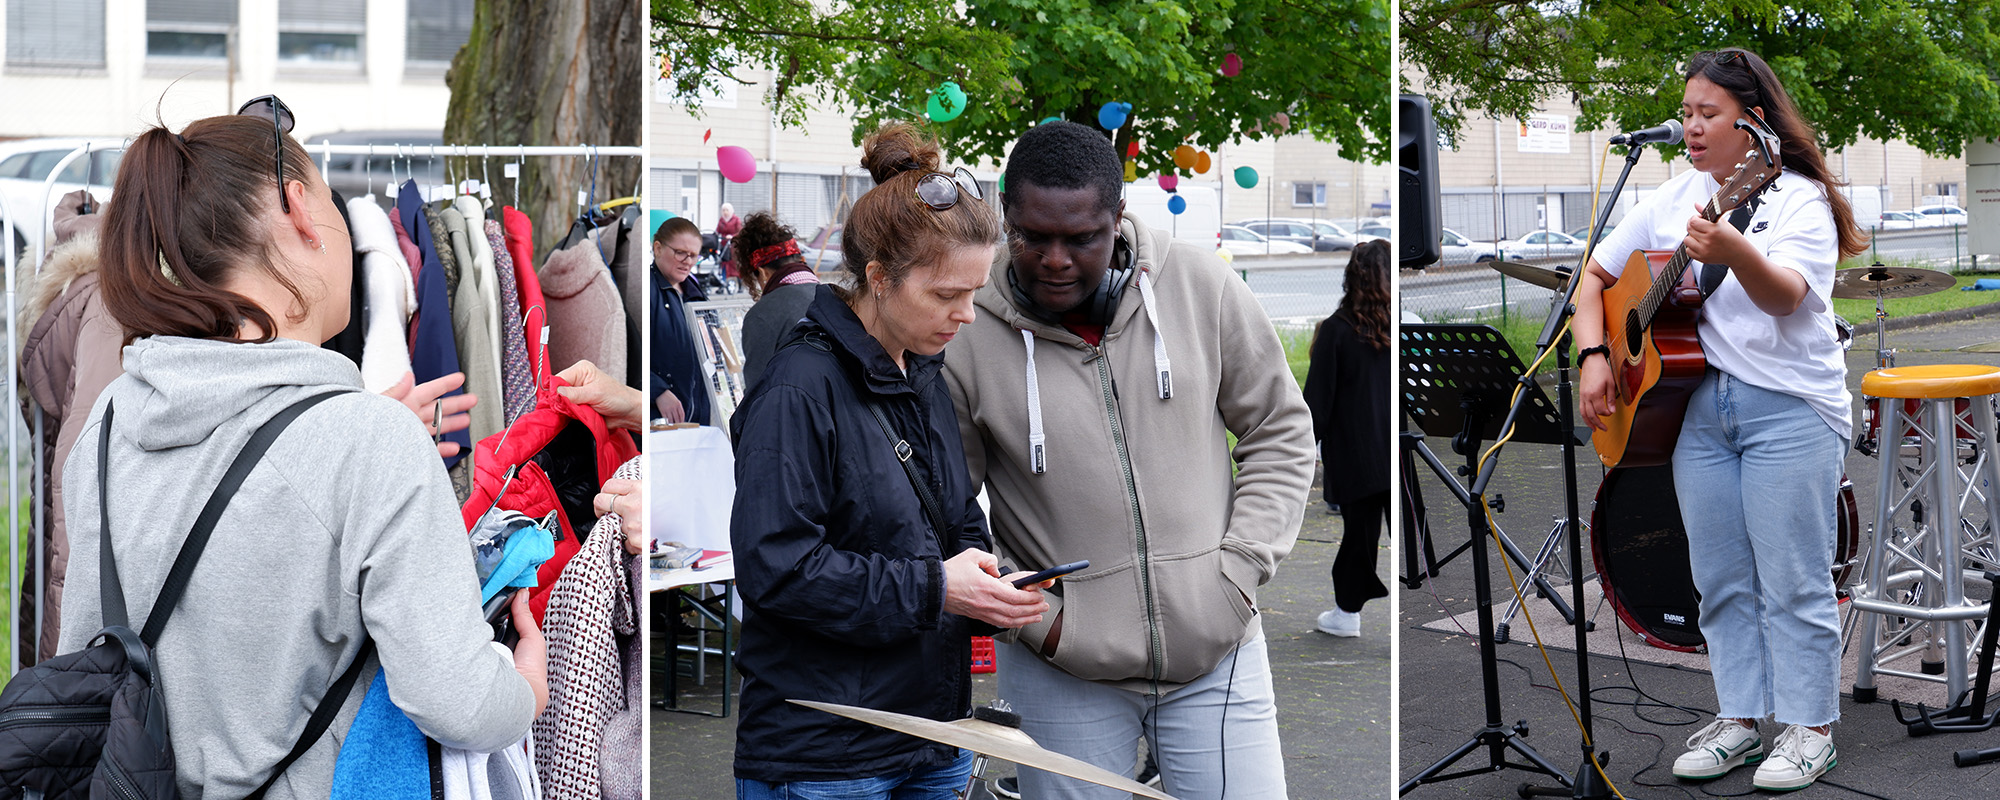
(177,390)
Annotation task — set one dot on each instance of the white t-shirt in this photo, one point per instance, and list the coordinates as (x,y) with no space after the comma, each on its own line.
(1796,354)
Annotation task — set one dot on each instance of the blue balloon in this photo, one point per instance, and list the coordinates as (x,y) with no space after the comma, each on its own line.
(1176,204)
(1112,115)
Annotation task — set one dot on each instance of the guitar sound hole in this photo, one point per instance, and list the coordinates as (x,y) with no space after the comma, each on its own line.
(1634,331)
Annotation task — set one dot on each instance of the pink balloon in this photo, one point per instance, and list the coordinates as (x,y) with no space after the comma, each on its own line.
(1231,64)
(1169,182)
(735,163)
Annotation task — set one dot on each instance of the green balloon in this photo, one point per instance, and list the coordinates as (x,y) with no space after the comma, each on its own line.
(1246,177)
(1000,185)
(946,103)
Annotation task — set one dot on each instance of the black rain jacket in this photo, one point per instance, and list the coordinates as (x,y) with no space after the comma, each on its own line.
(841,576)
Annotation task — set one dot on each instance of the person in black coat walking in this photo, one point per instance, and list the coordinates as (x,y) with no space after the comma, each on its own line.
(863,575)
(1347,387)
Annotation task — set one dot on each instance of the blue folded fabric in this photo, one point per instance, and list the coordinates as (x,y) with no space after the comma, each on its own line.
(384,756)
(526,549)
(1982,285)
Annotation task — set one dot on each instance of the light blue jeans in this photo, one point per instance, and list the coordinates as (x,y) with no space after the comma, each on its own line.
(1197,741)
(937,783)
(1758,473)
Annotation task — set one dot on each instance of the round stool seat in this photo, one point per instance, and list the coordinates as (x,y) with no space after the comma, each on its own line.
(1932,381)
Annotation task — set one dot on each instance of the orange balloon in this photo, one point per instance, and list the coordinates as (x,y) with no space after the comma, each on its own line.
(1184,157)
(1202,162)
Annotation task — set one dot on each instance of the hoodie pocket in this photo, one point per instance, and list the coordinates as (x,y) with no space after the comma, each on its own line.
(1202,615)
(1105,636)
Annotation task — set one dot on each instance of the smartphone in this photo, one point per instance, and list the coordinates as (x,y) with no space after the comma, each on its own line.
(1051,572)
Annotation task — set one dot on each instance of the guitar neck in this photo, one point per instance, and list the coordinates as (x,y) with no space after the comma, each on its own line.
(1670,274)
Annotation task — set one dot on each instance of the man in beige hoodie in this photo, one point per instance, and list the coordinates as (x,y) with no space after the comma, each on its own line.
(1096,392)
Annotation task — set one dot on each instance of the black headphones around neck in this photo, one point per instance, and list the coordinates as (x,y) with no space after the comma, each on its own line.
(1103,302)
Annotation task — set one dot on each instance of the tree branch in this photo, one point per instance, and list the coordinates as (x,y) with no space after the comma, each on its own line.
(824,37)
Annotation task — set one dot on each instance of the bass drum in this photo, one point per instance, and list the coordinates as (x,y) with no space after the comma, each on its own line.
(1640,549)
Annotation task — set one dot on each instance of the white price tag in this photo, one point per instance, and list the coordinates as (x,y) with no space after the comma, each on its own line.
(581,198)
(512,170)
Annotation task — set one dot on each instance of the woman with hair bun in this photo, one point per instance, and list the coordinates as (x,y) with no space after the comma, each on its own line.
(227,263)
(782,283)
(855,589)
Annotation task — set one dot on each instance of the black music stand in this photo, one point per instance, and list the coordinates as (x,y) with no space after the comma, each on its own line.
(1457,381)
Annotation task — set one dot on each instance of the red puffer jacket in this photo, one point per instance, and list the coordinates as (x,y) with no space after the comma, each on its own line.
(532,492)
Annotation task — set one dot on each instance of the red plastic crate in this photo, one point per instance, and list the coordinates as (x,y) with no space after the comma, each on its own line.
(982,655)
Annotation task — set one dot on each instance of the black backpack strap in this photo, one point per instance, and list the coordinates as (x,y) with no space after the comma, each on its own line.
(322,716)
(204,524)
(903,453)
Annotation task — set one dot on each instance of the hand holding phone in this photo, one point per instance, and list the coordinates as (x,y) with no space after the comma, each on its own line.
(1051,572)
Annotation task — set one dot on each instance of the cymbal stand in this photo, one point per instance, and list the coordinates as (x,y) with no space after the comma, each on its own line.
(1421,562)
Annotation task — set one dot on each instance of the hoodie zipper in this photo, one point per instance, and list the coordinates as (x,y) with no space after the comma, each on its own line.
(1109,388)
(30,717)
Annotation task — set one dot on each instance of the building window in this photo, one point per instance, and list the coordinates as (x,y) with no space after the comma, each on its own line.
(321,32)
(1309,194)
(436,31)
(45,34)
(189,28)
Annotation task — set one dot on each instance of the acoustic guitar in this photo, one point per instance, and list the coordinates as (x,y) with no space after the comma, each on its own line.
(1650,315)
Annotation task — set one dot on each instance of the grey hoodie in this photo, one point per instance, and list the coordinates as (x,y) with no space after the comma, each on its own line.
(1119,454)
(346,527)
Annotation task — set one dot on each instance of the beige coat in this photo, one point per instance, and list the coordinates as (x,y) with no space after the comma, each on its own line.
(1140,485)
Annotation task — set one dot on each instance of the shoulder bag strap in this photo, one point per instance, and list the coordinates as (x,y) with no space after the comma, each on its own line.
(903,453)
(322,716)
(111,595)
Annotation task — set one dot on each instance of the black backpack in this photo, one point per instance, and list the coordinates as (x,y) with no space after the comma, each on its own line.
(93,724)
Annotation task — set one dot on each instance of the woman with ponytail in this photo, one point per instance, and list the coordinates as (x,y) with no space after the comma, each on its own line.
(863,574)
(227,264)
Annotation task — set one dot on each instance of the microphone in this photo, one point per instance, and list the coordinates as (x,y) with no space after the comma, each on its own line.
(1668,132)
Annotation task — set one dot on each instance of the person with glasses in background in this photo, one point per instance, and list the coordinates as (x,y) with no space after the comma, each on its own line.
(1757,462)
(861,553)
(227,264)
(679,390)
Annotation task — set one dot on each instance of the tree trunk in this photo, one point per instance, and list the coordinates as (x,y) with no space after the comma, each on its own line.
(542,73)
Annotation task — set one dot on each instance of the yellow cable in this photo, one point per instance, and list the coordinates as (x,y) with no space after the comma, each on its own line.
(1493,526)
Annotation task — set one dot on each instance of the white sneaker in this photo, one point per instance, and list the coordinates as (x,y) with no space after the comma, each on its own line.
(1715,750)
(1800,757)
(1340,623)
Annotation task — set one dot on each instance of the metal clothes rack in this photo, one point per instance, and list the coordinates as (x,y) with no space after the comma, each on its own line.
(323,151)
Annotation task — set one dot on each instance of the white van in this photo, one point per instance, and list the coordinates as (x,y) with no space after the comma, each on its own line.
(1200,223)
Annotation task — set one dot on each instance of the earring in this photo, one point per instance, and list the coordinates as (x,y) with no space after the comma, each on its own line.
(320,245)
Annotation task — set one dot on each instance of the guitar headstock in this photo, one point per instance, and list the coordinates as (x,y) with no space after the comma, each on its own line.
(1761,165)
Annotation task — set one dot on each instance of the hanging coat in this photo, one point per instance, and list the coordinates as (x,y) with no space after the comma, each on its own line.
(433,347)
(517,377)
(586,316)
(534,308)
(534,491)
(392,295)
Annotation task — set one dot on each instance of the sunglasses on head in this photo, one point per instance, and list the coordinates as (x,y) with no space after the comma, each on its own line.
(270,107)
(941,191)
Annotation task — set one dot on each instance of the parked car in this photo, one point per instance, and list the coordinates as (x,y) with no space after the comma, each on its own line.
(1544,244)
(823,249)
(1900,220)
(1370,230)
(1242,241)
(1460,250)
(1583,234)
(1317,236)
(25,165)
(1940,216)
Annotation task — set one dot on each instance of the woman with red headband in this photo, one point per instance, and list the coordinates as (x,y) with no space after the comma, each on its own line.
(780,280)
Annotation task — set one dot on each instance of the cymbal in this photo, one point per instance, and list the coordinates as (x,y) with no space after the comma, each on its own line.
(991,739)
(1861,283)
(1539,276)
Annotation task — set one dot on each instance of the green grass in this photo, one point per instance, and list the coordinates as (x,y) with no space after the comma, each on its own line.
(6,596)
(1298,350)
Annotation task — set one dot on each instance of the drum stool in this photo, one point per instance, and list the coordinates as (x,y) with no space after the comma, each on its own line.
(1912,602)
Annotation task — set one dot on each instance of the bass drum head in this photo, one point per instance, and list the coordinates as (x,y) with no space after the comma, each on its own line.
(1641,554)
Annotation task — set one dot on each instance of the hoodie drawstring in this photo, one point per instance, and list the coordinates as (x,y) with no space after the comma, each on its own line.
(1036,450)
(1161,364)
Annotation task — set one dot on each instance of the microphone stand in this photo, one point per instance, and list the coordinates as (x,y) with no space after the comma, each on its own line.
(1588,783)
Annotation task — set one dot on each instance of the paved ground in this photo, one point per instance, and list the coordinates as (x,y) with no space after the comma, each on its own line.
(1333,694)
(1441,703)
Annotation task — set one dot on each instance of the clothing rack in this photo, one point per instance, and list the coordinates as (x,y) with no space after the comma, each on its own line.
(323,151)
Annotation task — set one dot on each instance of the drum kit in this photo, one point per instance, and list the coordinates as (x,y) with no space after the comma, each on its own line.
(1638,541)
(991,732)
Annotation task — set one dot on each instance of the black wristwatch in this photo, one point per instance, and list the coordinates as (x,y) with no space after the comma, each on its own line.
(1600,350)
